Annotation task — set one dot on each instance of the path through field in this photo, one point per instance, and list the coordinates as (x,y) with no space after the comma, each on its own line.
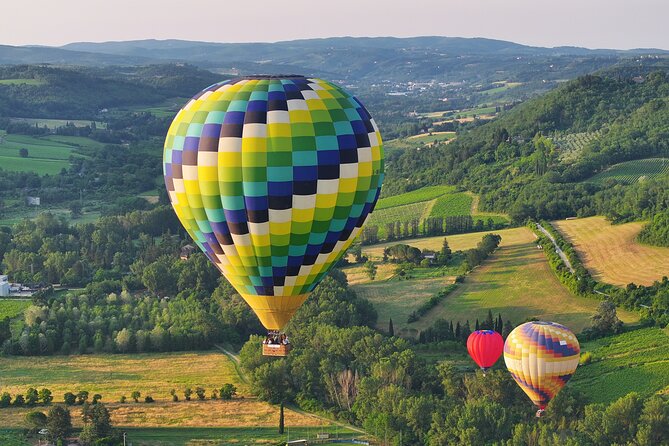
(518,283)
(611,252)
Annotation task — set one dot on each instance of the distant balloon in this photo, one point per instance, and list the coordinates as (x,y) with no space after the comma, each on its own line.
(273,178)
(485,347)
(542,357)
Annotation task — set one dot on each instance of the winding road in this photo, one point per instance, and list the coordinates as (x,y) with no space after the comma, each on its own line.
(561,253)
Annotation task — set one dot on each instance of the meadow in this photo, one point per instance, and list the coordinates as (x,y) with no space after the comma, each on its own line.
(212,422)
(633,171)
(516,282)
(636,361)
(612,254)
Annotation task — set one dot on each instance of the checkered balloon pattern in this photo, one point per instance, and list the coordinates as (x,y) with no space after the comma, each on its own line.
(273,178)
(542,357)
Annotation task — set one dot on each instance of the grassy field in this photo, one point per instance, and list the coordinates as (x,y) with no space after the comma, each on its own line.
(518,283)
(12,308)
(53,123)
(637,361)
(457,242)
(611,252)
(633,171)
(44,156)
(27,81)
(398,299)
(154,374)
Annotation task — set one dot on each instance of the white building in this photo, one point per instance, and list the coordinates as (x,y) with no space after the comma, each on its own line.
(4,286)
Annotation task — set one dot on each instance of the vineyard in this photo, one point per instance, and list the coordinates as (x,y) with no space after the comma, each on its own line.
(636,361)
(571,145)
(416,196)
(402,213)
(633,171)
(451,205)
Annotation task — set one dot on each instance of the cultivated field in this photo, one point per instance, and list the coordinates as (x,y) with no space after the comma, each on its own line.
(637,361)
(633,171)
(611,252)
(518,283)
(164,422)
(571,145)
(457,242)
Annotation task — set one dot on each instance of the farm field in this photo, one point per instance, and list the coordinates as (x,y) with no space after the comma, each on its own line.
(637,361)
(457,242)
(611,252)
(633,171)
(431,201)
(12,308)
(517,282)
(27,81)
(571,145)
(53,123)
(154,374)
(398,299)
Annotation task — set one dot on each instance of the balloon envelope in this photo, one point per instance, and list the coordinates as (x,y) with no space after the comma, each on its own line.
(485,347)
(542,357)
(273,177)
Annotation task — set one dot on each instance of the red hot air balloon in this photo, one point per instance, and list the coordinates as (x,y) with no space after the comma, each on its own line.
(485,347)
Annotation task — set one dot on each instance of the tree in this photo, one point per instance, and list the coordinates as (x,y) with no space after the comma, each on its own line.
(228,391)
(605,321)
(187,393)
(32,396)
(124,340)
(23,152)
(135,395)
(96,398)
(97,424)
(391,329)
(200,392)
(175,398)
(46,396)
(148,399)
(69,398)
(370,269)
(281,421)
(59,424)
(82,397)
(75,209)
(19,400)
(5,399)
(36,420)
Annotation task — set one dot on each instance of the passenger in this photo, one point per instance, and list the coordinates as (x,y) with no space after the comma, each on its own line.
(285,340)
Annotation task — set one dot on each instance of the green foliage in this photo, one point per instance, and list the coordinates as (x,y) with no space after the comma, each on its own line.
(631,172)
(228,391)
(416,196)
(452,205)
(59,423)
(657,231)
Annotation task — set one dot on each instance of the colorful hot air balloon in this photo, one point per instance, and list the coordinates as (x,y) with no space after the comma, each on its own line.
(273,178)
(542,357)
(485,347)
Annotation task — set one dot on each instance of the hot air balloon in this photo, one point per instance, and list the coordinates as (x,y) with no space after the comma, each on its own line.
(542,357)
(273,177)
(485,347)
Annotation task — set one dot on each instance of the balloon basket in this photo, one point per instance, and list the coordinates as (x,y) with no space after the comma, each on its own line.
(276,344)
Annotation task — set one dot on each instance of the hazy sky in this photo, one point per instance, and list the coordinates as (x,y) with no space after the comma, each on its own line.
(590,23)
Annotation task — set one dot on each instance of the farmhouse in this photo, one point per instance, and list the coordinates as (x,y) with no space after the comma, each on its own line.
(187,251)
(33,201)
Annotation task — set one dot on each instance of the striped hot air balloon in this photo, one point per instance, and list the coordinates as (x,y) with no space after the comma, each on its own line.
(541,357)
(273,178)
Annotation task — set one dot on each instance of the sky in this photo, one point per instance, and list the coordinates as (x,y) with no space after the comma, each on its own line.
(621,24)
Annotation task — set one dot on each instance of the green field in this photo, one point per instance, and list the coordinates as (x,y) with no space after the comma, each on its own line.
(637,361)
(518,283)
(502,88)
(415,196)
(451,205)
(34,82)
(12,308)
(633,171)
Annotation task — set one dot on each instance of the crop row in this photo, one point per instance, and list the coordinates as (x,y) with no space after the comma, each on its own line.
(416,196)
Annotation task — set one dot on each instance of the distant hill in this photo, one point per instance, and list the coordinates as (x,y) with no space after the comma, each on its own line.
(344,58)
